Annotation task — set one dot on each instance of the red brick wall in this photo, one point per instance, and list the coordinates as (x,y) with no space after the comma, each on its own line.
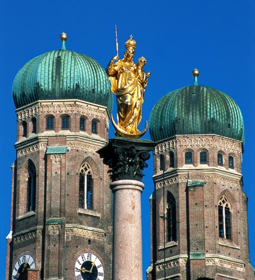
(33,274)
(69,231)
(197,210)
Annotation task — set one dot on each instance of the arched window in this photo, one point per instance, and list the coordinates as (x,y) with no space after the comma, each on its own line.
(31,187)
(24,126)
(171,218)
(162,162)
(188,158)
(82,124)
(50,123)
(203,158)
(86,187)
(220,159)
(230,162)
(34,128)
(224,218)
(94,126)
(171,154)
(65,122)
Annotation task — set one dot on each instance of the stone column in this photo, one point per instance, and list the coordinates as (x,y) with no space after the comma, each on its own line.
(127,254)
(126,159)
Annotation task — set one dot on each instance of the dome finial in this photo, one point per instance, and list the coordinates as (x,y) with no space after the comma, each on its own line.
(195,74)
(63,37)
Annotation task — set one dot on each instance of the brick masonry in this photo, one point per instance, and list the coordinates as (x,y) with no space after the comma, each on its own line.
(199,252)
(58,231)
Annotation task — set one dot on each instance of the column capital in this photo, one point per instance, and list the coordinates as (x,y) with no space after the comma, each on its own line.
(126,157)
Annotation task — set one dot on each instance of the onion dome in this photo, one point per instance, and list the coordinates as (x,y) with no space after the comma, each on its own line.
(196,110)
(62,74)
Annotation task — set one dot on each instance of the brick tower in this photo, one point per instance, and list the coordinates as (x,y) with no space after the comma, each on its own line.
(198,207)
(62,209)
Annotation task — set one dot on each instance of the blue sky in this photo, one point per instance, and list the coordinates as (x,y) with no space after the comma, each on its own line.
(217,37)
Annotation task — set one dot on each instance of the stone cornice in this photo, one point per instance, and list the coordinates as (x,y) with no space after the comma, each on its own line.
(64,106)
(229,277)
(211,174)
(74,141)
(210,259)
(199,141)
(27,234)
(83,231)
(173,276)
(222,257)
(168,178)
(226,262)
(35,140)
(85,143)
(179,260)
(223,177)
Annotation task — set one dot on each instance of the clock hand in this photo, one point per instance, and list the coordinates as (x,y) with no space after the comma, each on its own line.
(93,264)
(25,265)
(83,270)
(18,274)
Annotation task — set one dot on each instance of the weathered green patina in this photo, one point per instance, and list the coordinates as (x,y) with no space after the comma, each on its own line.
(55,221)
(62,74)
(197,255)
(195,183)
(196,110)
(56,150)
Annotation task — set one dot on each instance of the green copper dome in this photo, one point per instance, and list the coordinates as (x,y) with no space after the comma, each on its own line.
(62,74)
(196,110)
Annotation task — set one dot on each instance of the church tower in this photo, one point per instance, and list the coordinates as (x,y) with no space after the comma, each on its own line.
(198,206)
(61,204)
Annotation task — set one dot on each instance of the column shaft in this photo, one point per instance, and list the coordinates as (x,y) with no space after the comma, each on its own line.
(127,254)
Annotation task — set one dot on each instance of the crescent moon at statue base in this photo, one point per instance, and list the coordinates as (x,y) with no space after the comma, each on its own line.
(121,132)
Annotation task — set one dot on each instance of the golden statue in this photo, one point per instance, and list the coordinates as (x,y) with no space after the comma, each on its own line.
(128,83)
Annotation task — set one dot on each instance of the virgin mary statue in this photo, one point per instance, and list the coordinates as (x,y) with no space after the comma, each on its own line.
(128,83)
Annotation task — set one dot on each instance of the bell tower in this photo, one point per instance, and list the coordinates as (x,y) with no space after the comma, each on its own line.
(198,206)
(62,208)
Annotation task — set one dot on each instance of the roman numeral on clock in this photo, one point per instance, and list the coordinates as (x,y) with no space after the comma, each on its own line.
(77,269)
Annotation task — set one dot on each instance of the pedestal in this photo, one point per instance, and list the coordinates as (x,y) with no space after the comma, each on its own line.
(126,159)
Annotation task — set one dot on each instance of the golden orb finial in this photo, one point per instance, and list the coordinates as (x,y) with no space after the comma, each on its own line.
(63,37)
(195,73)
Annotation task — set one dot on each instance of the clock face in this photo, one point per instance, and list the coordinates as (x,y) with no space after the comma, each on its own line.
(22,264)
(89,267)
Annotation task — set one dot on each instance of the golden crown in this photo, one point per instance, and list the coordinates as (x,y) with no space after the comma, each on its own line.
(130,43)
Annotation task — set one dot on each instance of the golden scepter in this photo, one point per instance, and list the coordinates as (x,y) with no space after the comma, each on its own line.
(117,44)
